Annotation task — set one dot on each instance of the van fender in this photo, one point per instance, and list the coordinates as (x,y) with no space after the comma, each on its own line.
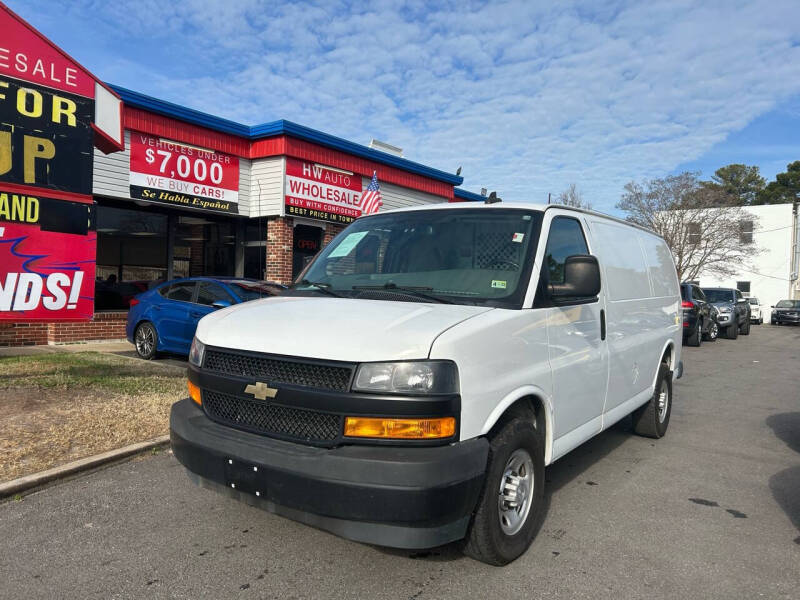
(668,345)
(518,394)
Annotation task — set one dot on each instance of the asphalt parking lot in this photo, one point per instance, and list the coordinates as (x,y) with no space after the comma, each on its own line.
(710,511)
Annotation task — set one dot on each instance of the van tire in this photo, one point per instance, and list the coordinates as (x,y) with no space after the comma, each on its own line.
(486,541)
(696,337)
(732,331)
(648,420)
(745,328)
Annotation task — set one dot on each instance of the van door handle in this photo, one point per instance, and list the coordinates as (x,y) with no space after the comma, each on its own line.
(602,324)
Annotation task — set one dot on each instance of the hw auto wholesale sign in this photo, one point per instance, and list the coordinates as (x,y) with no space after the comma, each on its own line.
(314,191)
(173,173)
(48,128)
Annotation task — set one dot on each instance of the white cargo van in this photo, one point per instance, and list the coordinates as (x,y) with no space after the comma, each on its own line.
(410,389)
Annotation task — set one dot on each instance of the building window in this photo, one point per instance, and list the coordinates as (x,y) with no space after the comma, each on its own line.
(745,232)
(743,286)
(694,233)
(131,255)
(203,246)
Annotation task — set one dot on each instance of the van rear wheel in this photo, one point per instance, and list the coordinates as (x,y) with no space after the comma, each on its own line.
(510,507)
(652,419)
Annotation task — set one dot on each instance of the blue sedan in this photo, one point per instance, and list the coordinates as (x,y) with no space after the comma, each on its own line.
(164,318)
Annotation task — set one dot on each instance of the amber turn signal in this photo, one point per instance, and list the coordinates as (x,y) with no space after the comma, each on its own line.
(194,393)
(400,429)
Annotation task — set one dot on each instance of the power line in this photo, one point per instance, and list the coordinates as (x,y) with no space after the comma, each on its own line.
(776,229)
(763,275)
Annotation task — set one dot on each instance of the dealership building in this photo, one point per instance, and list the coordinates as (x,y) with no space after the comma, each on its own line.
(189,194)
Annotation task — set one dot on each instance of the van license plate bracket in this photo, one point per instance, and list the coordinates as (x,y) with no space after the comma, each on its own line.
(244,477)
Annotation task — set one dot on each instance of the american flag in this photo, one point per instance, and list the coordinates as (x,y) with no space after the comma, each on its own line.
(371,199)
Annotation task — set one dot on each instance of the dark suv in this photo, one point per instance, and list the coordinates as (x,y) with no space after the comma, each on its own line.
(786,311)
(698,323)
(733,311)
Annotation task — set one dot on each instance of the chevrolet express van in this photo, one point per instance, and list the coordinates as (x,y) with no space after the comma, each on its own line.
(411,387)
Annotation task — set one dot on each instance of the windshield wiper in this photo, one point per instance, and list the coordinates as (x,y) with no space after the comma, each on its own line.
(325,288)
(419,292)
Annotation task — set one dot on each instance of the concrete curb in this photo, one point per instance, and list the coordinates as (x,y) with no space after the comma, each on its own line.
(36,480)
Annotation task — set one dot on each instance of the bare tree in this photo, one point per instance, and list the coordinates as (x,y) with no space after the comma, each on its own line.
(703,233)
(572,196)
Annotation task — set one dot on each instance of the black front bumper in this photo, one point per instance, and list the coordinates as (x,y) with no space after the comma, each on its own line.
(778,317)
(394,496)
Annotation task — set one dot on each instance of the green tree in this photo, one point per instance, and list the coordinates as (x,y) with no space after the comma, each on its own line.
(785,188)
(741,184)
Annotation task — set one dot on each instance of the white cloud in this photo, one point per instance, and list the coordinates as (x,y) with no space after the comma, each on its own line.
(527,98)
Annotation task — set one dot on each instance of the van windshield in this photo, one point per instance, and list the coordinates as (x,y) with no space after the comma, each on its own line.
(719,295)
(463,256)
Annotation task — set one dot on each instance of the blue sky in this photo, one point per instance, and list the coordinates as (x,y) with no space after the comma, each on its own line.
(527,96)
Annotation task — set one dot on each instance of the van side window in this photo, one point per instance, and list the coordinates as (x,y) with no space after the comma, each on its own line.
(565,239)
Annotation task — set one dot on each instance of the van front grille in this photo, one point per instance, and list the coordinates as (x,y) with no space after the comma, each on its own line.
(271,419)
(273,369)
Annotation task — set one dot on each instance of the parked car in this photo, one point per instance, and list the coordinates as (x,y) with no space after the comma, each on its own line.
(164,318)
(410,389)
(786,311)
(697,319)
(755,311)
(734,311)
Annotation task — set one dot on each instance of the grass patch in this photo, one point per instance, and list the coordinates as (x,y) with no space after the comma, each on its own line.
(64,406)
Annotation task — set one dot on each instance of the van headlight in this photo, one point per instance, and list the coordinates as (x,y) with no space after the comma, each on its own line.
(196,352)
(412,377)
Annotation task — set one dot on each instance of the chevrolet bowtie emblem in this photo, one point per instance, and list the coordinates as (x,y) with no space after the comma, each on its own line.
(261,391)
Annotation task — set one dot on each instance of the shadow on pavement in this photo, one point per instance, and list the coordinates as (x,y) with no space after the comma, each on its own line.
(557,475)
(785,485)
(786,426)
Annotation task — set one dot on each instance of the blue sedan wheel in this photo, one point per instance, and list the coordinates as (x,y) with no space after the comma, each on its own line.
(146,340)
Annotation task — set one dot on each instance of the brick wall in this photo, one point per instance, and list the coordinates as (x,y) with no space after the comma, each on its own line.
(331,231)
(105,326)
(280,240)
(23,334)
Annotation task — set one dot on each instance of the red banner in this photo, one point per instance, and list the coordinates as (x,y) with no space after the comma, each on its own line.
(26,55)
(318,192)
(173,173)
(45,275)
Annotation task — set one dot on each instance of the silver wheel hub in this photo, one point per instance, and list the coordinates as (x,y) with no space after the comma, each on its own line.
(516,492)
(144,340)
(663,402)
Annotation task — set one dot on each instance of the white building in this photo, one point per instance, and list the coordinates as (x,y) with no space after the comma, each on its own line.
(772,274)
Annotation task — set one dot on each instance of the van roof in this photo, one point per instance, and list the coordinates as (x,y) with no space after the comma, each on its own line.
(517,205)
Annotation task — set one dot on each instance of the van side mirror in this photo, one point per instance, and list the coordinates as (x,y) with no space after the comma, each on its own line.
(581,278)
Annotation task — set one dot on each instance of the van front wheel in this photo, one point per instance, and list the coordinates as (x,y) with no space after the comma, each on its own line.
(509,510)
(652,419)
